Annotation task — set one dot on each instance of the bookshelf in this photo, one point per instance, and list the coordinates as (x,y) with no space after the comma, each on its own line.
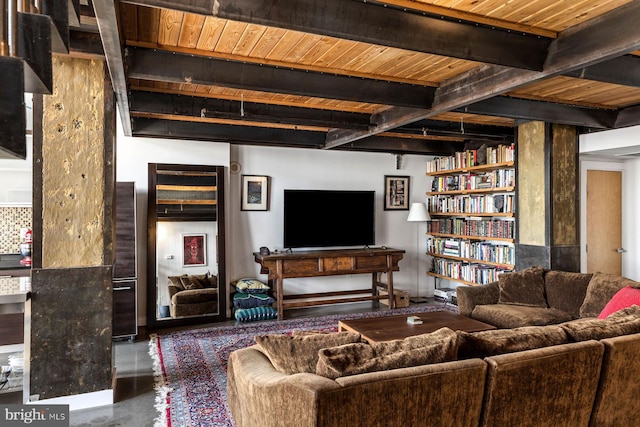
(472,210)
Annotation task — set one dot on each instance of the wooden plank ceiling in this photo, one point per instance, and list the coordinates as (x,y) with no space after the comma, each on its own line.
(403,76)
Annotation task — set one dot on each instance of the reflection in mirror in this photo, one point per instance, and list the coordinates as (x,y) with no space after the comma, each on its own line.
(186,244)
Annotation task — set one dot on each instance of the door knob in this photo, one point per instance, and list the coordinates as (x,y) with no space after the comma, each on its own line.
(620,250)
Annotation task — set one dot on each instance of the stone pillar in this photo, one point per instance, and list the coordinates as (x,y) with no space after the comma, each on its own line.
(547,197)
(68,347)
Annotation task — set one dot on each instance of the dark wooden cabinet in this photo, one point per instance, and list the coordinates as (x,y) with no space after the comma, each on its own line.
(125,281)
(124,308)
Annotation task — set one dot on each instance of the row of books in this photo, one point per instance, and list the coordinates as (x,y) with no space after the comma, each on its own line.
(472,273)
(480,251)
(500,178)
(503,229)
(470,204)
(469,158)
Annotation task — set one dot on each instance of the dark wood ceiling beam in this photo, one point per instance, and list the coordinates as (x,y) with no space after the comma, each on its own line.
(226,133)
(246,135)
(201,7)
(581,46)
(392,145)
(105,11)
(384,26)
(525,109)
(624,70)
(629,116)
(191,106)
(158,65)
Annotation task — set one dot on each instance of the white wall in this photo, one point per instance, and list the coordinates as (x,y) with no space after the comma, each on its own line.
(290,168)
(16,179)
(627,139)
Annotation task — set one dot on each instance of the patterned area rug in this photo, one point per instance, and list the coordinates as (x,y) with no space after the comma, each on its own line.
(190,367)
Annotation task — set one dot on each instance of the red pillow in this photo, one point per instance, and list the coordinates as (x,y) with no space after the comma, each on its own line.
(625,297)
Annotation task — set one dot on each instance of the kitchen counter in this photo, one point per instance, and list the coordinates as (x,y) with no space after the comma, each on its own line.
(11,262)
(14,289)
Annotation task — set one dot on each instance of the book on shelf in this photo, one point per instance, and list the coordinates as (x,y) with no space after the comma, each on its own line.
(501,153)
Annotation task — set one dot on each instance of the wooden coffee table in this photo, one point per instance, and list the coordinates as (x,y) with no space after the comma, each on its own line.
(387,328)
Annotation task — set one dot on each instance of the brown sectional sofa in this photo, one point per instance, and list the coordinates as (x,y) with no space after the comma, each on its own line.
(529,376)
(539,297)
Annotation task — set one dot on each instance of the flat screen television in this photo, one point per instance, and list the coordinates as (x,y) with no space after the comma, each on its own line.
(327,218)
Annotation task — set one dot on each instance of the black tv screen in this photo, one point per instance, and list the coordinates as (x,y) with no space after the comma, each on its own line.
(325,218)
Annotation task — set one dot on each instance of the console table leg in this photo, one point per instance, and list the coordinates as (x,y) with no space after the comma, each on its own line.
(279,289)
(374,290)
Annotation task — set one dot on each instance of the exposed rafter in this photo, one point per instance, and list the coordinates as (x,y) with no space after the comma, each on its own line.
(383,26)
(106,16)
(150,64)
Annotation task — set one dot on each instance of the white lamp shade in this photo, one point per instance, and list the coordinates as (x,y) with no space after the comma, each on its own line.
(418,213)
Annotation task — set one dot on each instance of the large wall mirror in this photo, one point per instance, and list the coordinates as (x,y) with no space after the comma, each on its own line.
(185,266)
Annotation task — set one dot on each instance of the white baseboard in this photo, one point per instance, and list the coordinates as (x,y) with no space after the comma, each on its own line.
(78,401)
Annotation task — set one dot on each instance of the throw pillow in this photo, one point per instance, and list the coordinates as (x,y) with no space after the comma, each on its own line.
(293,354)
(175,281)
(264,312)
(190,282)
(211,281)
(500,341)
(524,287)
(242,300)
(566,290)
(625,297)
(352,359)
(602,287)
(250,286)
(623,322)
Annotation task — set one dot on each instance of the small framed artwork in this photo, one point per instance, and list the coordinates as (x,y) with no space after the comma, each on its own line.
(255,193)
(396,193)
(194,250)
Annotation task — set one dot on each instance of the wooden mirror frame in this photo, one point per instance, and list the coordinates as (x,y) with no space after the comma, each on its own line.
(152,220)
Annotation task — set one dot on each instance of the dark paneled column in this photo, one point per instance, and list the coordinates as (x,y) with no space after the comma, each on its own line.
(547,197)
(69,347)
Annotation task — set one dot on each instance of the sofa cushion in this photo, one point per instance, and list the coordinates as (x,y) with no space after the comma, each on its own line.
(524,287)
(623,322)
(250,286)
(515,316)
(175,281)
(602,287)
(565,290)
(293,354)
(264,312)
(500,341)
(190,282)
(242,300)
(352,359)
(625,297)
(195,296)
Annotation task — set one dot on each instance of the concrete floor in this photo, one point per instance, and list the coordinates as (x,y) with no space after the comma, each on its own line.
(134,394)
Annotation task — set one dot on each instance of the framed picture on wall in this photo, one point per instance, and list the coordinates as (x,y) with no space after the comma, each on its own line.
(396,193)
(255,193)
(194,250)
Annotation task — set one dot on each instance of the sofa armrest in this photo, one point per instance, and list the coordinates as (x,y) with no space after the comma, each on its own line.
(470,296)
(259,395)
(173,290)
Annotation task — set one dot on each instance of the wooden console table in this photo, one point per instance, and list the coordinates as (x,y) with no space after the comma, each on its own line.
(280,266)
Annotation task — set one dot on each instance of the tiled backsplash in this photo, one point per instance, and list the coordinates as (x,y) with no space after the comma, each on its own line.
(12,219)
